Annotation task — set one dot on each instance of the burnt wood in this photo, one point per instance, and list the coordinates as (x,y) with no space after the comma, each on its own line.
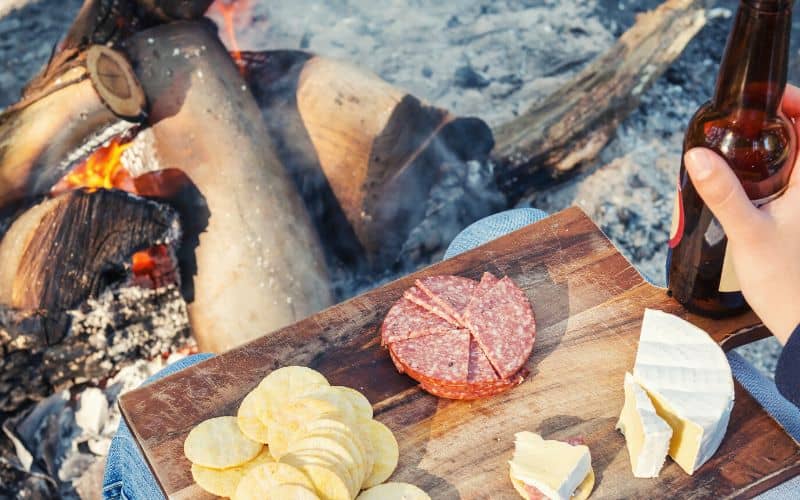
(589,303)
(368,151)
(565,131)
(68,249)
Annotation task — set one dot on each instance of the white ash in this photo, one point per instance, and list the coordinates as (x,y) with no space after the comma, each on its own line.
(62,436)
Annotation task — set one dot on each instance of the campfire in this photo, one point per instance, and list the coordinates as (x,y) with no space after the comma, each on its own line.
(163,192)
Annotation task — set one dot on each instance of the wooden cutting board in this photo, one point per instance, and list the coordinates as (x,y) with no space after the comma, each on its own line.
(589,302)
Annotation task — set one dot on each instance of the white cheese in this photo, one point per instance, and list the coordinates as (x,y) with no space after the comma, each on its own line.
(647,435)
(554,468)
(688,378)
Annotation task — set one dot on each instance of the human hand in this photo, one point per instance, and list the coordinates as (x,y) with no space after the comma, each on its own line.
(765,242)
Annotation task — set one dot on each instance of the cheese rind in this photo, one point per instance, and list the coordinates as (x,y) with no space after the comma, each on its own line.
(554,468)
(688,378)
(646,434)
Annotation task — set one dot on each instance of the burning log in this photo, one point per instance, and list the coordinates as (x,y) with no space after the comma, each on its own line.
(69,249)
(557,136)
(379,149)
(258,262)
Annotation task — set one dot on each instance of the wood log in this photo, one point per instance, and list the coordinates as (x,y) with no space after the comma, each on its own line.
(115,82)
(557,136)
(379,149)
(117,329)
(68,249)
(41,140)
(259,263)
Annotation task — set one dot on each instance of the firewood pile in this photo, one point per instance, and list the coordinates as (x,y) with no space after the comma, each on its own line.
(161,194)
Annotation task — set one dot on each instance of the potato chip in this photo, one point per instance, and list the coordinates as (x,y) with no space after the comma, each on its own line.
(264,478)
(348,438)
(360,403)
(290,492)
(328,482)
(336,398)
(219,444)
(278,437)
(342,455)
(286,383)
(385,451)
(331,460)
(247,417)
(394,491)
(223,482)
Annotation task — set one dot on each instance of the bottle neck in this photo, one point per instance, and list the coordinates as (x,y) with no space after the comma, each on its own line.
(754,69)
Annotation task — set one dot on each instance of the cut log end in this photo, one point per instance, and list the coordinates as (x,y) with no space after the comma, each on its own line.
(116,83)
(71,248)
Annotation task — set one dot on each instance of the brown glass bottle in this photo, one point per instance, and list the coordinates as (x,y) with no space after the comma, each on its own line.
(744,124)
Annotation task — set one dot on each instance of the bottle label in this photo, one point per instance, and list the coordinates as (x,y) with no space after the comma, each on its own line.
(729,282)
(676,233)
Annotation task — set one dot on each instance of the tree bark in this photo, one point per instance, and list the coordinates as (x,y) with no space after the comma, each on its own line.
(557,136)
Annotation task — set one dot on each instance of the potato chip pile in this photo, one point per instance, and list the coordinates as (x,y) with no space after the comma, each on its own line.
(322,442)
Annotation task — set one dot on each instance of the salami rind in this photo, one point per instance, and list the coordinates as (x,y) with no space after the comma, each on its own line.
(452,293)
(442,357)
(423,300)
(502,323)
(407,320)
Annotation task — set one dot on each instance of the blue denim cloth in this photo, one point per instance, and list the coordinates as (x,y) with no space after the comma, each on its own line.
(128,477)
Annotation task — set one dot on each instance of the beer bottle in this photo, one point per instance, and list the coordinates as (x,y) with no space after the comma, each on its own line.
(745,125)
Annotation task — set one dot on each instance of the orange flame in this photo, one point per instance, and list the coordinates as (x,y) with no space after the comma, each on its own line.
(102,170)
(228,9)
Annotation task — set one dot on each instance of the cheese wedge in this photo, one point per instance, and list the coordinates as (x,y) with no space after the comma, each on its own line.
(646,434)
(689,381)
(557,470)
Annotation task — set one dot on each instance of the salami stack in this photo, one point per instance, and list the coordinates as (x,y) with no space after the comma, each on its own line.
(459,338)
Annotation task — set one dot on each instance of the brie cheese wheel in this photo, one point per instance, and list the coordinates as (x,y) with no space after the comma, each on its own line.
(557,470)
(647,435)
(688,378)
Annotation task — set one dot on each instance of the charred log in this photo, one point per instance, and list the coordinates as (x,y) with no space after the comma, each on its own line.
(259,263)
(69,249)
(347,134)
(107,333)
(556,137)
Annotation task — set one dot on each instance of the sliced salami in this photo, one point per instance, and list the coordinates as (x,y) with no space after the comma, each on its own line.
(423,300)
(480,369)
(452,293)
(407,320)
(442,357)
(502,323)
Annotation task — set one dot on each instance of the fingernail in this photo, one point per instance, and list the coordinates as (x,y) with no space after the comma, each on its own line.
(700,164)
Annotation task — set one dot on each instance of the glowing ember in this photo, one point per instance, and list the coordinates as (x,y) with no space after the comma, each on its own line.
(102,170)
(153,268)
(228,9)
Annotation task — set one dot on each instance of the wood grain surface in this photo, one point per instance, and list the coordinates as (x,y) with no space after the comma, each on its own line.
(589,303)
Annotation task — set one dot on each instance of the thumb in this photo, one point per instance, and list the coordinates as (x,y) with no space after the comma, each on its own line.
(721,190)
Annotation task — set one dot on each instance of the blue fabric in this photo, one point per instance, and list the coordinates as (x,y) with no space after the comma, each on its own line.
(765,392)
(787,373)
(491,228)
(127,475)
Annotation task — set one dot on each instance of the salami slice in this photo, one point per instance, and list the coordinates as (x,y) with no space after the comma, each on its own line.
(407,320)
(502,323)
(452,293)
(480,369)
(423,300)
(442,357)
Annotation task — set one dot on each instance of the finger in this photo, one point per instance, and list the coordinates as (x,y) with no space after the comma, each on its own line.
(794,180)
(719,187)
(791,101)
